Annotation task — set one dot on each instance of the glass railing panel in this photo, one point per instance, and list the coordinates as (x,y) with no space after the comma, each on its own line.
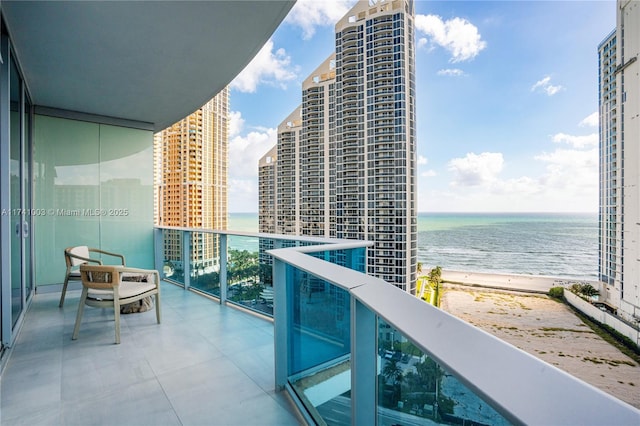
(249,279)
(173,264)
(349,258)
(415,389)
(204,266)
(319,348)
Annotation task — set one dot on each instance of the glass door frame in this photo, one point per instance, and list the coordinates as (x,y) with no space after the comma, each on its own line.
(8,324)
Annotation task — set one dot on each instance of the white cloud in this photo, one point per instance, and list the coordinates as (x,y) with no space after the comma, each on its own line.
(571,172)
(429,173)
(576,141)
(245,149)
(458,36)
(243,195)
(422,160)
(568,182)
(267,67)
(545,86)
(309,14)
(476,169)
(453,72)
(236,123)
(591,120)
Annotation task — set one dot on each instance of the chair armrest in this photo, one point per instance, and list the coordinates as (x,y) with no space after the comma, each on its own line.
(95,250)
(86,259)
(153,272)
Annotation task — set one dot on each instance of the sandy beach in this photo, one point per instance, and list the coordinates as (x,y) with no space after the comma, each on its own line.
(528,283)
(550,331)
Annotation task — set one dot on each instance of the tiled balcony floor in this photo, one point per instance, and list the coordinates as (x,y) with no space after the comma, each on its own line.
(205,364)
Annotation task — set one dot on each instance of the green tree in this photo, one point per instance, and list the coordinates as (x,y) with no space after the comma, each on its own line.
(589,290)
(435,275)
(430,373)
(266,274)
(584,289)
(393,373)
(242,265)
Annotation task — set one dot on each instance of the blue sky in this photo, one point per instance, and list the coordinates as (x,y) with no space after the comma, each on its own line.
(507,100)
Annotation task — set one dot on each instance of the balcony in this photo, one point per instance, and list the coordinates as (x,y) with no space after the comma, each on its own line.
(204,364)
(345,346)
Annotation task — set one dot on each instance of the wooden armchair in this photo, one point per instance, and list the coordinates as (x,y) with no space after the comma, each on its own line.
(81,255)
(103,287)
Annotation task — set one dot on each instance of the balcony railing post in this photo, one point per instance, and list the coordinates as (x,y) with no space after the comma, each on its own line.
(364,358)
(223,268)
(186,258)
(158,251)
(281,322)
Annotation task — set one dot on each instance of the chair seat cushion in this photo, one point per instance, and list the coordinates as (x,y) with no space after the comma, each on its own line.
(127,289)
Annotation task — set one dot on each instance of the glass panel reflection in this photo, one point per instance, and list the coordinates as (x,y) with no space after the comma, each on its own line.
(93,185)
(204,262)
(249,274)
(414,389)
(15,170)
(320,348)
(320,341)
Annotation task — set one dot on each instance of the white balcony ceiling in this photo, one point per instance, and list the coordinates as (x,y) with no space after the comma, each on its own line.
(148,61)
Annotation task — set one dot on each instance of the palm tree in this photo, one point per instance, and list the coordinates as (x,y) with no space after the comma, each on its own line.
(435,275)
(392,373)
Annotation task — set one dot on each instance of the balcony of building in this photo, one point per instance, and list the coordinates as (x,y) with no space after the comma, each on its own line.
(205,363)
(347,347)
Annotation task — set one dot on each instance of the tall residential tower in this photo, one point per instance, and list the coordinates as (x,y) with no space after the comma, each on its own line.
(356,167)
(191,189)
(619,109)
(375,131)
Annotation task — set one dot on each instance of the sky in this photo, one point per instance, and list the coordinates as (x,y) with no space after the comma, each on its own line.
(506,101)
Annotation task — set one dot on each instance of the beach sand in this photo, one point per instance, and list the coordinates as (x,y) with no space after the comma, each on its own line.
(529,283)
(550,331)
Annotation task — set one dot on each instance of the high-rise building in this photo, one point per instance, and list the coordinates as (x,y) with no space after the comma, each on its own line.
(619,109)
(375,131)
(318,152)
(191,187)
(267,203)
(287,187)
(356,151)
(267,191)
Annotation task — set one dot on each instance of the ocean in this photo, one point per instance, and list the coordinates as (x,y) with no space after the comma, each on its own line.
(553,244)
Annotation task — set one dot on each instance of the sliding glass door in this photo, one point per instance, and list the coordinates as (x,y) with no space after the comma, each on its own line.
(16,186)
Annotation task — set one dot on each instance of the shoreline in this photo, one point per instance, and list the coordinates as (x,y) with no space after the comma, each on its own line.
(515,282)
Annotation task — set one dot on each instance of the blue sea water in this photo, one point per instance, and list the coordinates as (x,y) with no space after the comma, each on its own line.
(560,244)
(554,244)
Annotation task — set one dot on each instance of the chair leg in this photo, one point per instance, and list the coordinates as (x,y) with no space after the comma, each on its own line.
(116,312)
(158,306)
(83,298)
(64,290)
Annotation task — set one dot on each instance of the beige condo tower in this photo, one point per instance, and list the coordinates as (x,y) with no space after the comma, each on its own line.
(191,182)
